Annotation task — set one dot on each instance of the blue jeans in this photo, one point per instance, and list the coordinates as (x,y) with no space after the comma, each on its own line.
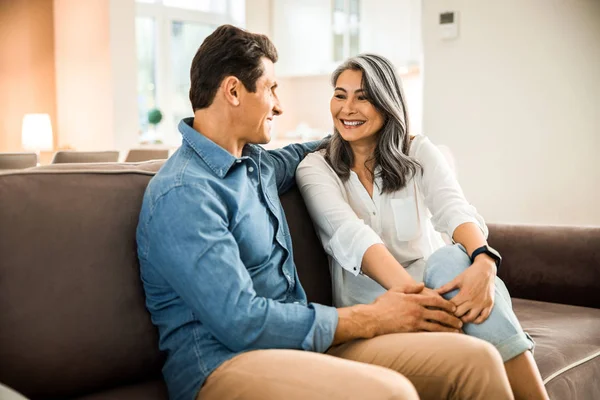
(502,329)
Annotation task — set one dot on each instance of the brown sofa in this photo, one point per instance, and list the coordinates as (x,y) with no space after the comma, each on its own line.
(73,322)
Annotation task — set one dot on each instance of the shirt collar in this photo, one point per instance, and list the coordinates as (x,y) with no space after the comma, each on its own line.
(217,158)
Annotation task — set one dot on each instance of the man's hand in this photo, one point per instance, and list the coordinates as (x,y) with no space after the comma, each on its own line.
(476,285)
(413,308)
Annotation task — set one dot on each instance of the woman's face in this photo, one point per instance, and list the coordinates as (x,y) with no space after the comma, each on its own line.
(354,116)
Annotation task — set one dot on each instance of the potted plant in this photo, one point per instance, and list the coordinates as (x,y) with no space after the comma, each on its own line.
(151,136)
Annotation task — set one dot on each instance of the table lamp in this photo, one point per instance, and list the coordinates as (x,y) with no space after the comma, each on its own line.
(36,133)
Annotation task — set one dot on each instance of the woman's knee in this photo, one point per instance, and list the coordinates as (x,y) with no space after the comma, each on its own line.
(444,265)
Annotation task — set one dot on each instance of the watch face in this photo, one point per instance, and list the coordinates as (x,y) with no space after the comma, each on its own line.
(491,252)
(494,252)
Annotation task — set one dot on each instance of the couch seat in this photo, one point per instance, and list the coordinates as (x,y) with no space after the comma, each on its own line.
(567,347)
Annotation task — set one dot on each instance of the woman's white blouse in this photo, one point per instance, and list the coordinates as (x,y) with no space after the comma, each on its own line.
(348,221)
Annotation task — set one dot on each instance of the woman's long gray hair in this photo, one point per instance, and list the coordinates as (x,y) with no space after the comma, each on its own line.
(384,91)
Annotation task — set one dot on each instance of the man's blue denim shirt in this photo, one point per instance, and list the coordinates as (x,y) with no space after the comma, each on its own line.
(216,260)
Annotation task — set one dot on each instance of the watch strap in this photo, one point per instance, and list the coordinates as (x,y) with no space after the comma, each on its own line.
(484,250)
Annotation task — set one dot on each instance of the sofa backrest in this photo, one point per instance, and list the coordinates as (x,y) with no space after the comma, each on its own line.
(559,264)
(309,256)
(73,317)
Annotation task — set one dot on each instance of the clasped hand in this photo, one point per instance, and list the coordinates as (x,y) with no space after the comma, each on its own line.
(415,308)
(476,285)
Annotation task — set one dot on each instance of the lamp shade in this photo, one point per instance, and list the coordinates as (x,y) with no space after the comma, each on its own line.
(36,132)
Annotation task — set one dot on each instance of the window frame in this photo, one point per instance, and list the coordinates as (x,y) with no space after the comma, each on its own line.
(164,16)
(347,33)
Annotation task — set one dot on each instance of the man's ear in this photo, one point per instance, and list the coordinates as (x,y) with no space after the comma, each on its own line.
(231,87)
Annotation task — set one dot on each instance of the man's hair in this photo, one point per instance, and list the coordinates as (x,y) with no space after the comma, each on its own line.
(228,51)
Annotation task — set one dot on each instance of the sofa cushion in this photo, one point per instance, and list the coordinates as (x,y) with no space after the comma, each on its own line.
(73,317)
(310,258)
(559,264)
(74,320)
(564,335)
(154,390)
(567,348)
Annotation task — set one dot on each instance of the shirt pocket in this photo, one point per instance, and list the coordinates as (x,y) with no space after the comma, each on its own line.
(406,218)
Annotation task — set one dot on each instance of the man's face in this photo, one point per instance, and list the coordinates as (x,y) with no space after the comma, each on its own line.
(259,108)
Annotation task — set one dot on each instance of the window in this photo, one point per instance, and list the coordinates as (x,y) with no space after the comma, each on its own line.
(346,21)
(145,32)
(216,6)
(168,34)
(185,38)
(353,27)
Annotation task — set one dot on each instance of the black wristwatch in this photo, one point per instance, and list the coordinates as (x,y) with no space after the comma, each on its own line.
(485,249)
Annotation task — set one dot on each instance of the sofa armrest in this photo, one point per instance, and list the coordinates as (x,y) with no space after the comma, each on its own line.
(550,263)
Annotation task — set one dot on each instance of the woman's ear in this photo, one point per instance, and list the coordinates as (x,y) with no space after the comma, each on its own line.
(231,90)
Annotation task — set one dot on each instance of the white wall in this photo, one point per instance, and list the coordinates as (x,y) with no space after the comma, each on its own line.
(517,99)
(124,73)
(258,16)
(82,55)
(26,67)
(392,28)
(96,73)
(301,32)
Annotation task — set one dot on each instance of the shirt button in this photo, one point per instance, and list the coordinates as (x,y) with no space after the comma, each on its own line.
(250,169)
(238,161)
(374,213)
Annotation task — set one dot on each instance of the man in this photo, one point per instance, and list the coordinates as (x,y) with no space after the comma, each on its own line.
(220,281)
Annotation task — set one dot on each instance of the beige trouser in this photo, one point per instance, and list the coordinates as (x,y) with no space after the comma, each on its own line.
(437,365)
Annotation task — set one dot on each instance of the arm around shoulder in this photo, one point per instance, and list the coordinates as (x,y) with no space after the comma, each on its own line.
(286,160)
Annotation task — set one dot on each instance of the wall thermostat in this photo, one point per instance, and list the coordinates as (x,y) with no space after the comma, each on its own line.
(448,25)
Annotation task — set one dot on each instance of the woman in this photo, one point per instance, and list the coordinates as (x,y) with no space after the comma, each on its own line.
(380,198)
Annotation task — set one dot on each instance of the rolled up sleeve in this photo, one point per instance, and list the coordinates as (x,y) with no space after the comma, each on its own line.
(344,236)
(443,195)
(200,260)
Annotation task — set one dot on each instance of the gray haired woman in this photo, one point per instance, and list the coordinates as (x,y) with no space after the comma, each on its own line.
(380,198)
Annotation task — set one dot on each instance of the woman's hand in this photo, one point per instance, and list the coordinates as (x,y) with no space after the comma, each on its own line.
(411,308)
(476,285)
